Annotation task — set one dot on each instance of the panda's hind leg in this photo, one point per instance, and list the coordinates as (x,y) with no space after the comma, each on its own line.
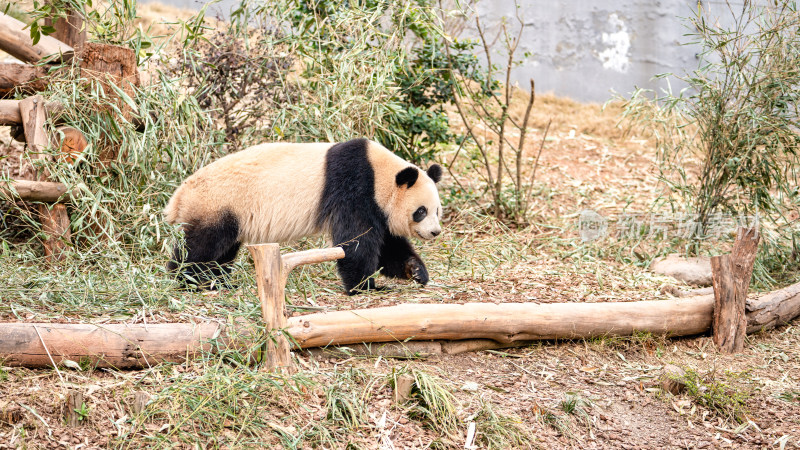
(399,260)
(209,248)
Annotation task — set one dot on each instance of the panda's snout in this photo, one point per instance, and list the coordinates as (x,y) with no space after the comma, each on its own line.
(436,233)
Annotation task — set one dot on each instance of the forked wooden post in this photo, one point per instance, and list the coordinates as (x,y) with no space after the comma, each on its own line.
(731,278)
(55,219)
(272,271)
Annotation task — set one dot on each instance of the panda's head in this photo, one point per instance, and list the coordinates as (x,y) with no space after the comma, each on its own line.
(416,209)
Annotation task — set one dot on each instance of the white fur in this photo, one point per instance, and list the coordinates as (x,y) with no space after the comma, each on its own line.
(275,189)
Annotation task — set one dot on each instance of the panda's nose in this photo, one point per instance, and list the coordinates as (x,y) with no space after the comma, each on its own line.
(436,233)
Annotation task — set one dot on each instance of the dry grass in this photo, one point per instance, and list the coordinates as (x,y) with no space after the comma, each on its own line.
(595,393)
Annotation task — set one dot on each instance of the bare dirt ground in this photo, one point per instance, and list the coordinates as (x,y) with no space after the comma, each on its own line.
(597,393)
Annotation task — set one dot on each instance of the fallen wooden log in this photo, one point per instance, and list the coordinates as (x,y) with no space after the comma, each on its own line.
(16,40)
(109,345)
(495,325)
(773,309)
(507,324)
(22,77)
(9,112)
(503,322)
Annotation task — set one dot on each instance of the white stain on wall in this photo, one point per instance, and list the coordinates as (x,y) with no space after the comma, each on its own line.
(615,55)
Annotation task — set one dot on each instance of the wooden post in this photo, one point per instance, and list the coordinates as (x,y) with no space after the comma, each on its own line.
(33,115)
(69,28)
(55,225)
(731,276)
(55,220)
(74,403)
(269,278)
(272,271)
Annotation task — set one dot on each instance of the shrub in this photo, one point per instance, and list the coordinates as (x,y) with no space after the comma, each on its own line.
(739,117)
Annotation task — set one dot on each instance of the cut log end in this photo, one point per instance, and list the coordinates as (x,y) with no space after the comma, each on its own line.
(73,143)
(402,388)
(673,379)
(74,409)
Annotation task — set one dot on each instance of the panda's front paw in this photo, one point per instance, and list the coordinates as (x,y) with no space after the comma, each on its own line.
(416,270)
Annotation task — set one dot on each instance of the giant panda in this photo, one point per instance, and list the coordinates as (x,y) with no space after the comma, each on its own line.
(363,196)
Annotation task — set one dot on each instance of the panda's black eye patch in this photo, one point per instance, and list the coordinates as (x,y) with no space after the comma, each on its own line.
(420,214)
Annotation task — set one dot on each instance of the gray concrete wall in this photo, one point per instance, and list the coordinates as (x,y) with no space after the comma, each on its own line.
(584,49)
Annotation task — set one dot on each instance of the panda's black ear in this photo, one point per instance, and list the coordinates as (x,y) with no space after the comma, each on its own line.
(407,176)
(435,172)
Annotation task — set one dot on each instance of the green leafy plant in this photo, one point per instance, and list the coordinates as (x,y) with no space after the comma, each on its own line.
(728,144)
(718,397)
(107,22)
(416,67)
(83,412)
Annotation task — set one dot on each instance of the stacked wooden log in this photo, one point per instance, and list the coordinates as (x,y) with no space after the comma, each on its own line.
(38,63)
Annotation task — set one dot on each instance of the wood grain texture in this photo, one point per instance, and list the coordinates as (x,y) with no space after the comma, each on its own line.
(16,40)
(728,307)
(731,276)
(73,404)
(73,143)
(743,257)
(36,191)
(9,112)
(69,27)
(22,78)
(773,309)
(503,322)
(32,112)
(55,225)
(314,256)
(109,345)
(271,281)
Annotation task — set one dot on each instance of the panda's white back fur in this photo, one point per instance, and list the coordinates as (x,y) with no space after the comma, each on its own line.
(275,189)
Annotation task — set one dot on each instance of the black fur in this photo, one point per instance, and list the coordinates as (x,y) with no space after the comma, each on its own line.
(348,206)
(209,250)
(399,260)
(359,225)
(407,176)
(420,214)
(435,172)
